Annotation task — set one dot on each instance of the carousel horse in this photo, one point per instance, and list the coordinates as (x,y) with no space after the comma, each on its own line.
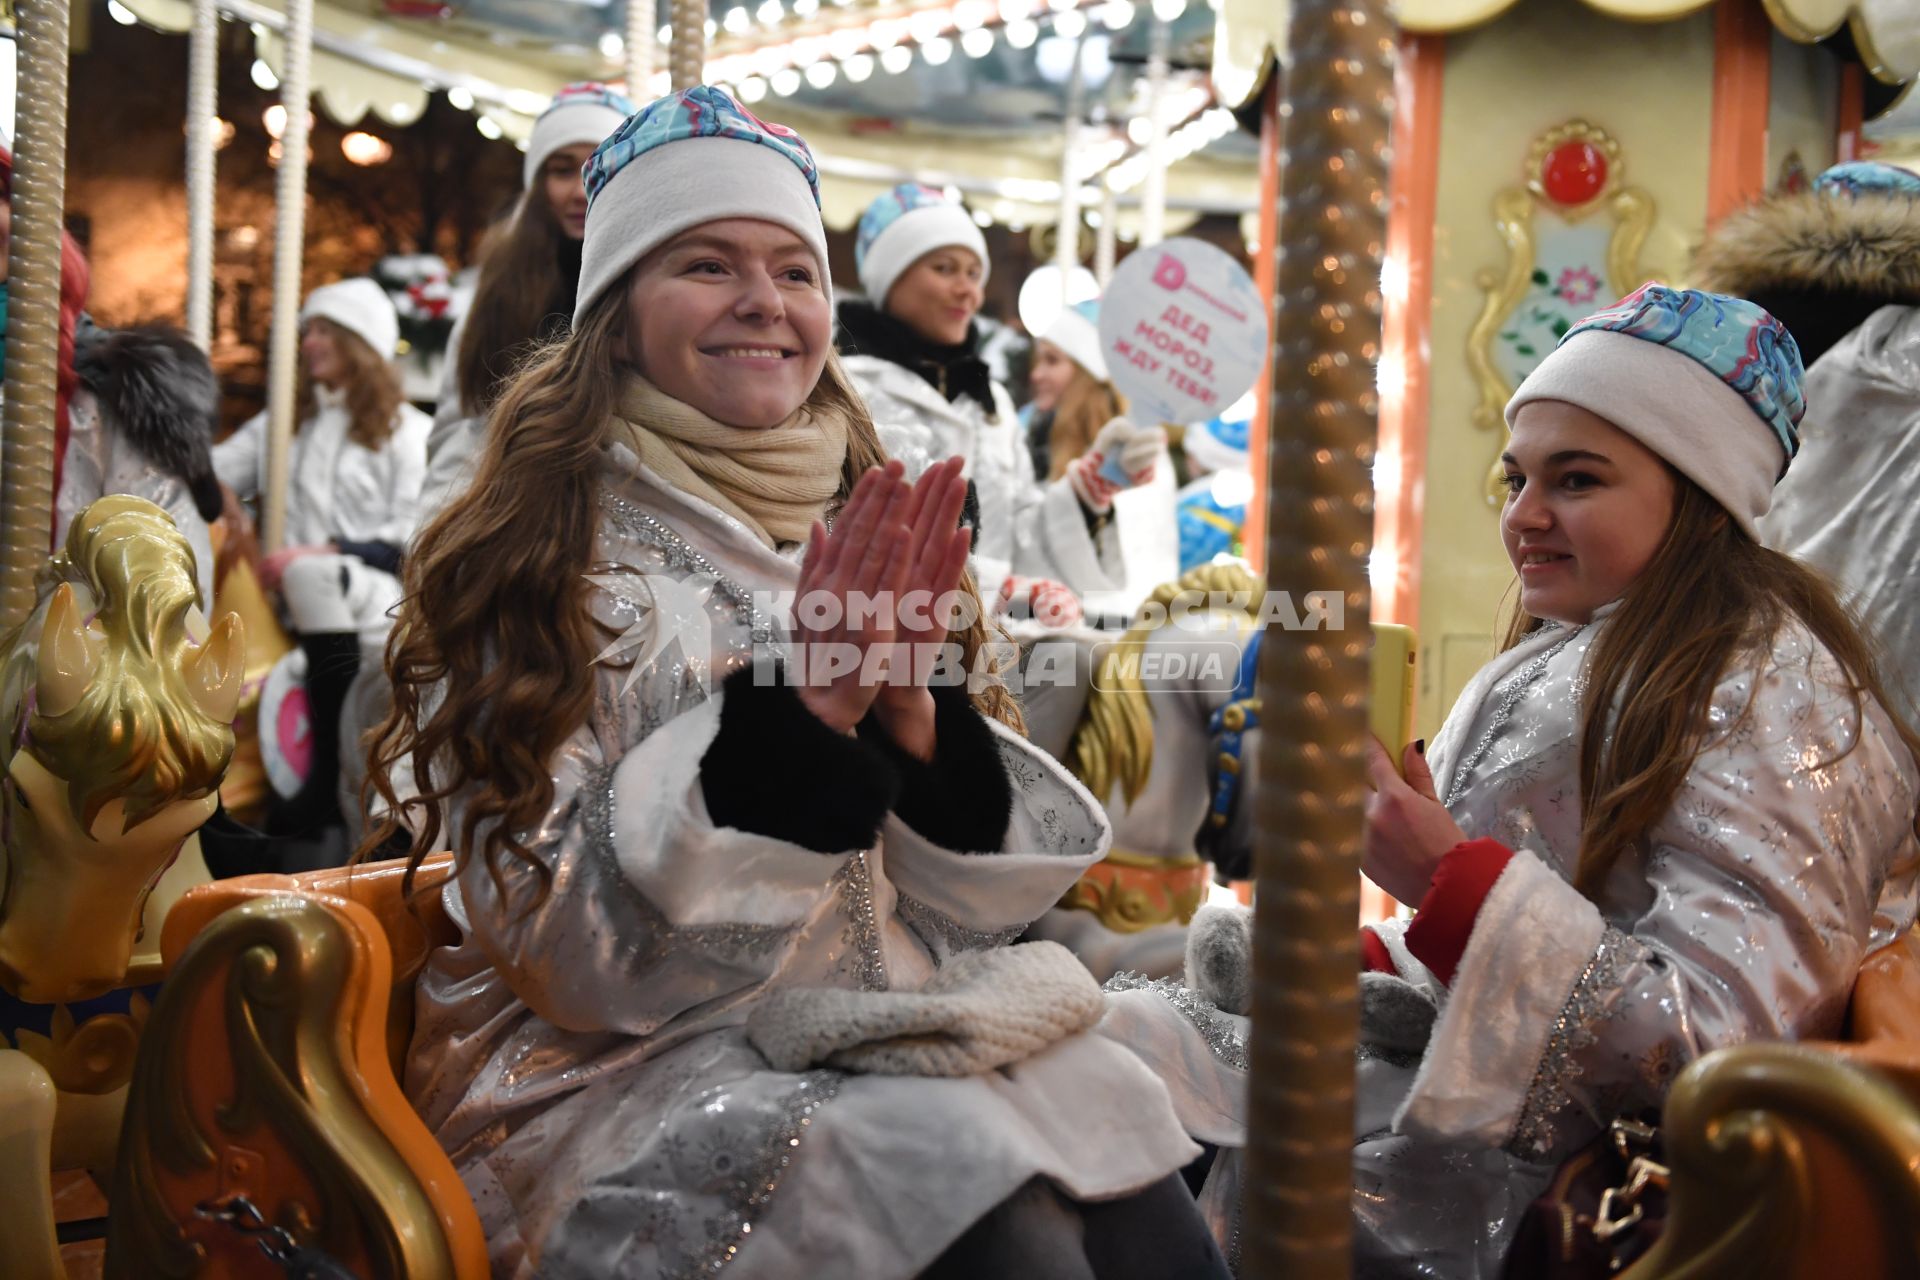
(1142,724)
(117,702)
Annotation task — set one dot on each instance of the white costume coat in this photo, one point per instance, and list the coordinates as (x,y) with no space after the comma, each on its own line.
(1027,528)
(1782,863)
(1846,506)
(584,1058)
(337,488)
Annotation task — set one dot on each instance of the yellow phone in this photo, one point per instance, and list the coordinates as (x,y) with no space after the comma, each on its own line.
(1391,716)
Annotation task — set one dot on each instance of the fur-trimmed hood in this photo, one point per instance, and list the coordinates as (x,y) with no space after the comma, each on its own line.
(1821,263)
(159,391)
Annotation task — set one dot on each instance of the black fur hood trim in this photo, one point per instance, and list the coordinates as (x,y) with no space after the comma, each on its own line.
(159,391)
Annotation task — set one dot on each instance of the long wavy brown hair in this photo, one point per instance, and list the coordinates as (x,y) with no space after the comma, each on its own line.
(371,385)
(515,301)
(492,655)
(1087,405)
(1709,596)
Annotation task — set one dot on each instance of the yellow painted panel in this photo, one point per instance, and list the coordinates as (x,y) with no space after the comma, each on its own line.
(1542,63)
(1805,107)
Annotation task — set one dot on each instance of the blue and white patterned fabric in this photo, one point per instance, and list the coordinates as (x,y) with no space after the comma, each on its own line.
(1868,178)
(1735,340)
(699,112)
(643,189)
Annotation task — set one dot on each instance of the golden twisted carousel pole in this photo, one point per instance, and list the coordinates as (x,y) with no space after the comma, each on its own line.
(687,51)
(1313,684)
(33,308)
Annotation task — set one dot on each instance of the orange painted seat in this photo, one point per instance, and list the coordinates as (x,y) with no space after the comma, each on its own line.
(268,1071)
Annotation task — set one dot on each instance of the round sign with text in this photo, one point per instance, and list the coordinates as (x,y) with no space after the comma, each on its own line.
(1183,330)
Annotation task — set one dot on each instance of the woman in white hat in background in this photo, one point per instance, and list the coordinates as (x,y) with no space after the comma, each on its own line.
(529,271)
(1073,396)
(354,471)
(912,351)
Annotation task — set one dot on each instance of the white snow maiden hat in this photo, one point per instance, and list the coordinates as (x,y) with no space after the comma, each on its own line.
(361,307)
(648,182)
(580,113)
(1708,382)
(1076,331)
(903,226)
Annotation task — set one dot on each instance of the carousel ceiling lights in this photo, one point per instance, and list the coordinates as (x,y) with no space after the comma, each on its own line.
(975,25)
(365,149)
(263,76)
(120,13)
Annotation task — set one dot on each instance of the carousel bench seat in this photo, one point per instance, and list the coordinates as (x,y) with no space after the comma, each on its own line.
(269,1072)
(266,1096)
(1802,1160)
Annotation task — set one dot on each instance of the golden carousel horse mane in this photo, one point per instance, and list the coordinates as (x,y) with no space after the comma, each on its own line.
(1114,742)
(121,709)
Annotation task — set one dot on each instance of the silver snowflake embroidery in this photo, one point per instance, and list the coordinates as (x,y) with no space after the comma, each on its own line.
(667,610)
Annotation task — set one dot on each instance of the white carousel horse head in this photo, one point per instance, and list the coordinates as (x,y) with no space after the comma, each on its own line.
(117,706)
(1143,745)
(1144,742)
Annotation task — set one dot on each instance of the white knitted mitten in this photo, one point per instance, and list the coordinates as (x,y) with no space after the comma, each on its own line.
(1121,457)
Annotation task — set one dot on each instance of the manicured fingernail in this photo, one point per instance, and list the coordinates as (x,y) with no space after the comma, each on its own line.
(1420,747)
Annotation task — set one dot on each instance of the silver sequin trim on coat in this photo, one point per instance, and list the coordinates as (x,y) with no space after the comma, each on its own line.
(650,937)
(1573,1031)
(641,526)
(754,1190)
(946,937)
(862,935)
(1516,690)
(1221,1038)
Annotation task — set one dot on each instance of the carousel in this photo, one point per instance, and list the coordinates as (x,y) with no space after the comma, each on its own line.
(201,1076)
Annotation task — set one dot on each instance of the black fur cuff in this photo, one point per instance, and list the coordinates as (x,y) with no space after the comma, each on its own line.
(774,769)
(961,799)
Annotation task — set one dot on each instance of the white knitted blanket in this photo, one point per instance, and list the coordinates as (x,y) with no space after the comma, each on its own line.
(982,1011)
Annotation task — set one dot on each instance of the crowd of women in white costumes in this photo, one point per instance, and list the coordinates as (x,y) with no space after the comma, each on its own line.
(355,467)
(528,277)
(642,1056)
(1566,961)
(911,350)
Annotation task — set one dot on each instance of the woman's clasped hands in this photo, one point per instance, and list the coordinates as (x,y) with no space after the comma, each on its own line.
(869,601)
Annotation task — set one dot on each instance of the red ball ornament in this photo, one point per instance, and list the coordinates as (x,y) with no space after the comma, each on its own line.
(1574,173)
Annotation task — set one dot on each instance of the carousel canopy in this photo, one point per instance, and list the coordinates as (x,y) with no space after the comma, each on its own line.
(972,94)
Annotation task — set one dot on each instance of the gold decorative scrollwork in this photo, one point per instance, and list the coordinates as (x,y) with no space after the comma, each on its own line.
(1134,891)
(282,980)
(1513,217)
(1741,1130)
(1631,211)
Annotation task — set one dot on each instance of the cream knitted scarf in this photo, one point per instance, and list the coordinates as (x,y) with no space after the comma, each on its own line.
(775,480)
